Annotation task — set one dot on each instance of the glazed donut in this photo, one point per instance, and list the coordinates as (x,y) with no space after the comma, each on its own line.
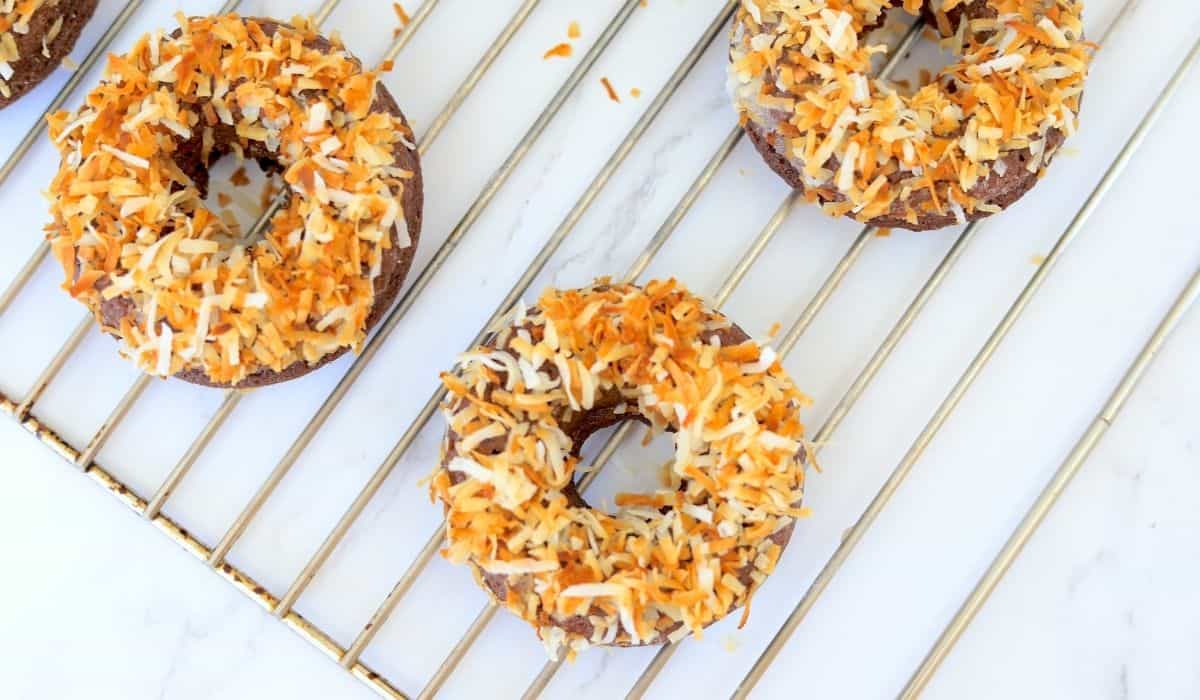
(666,563)
(185,295)
(965,145)
(35,36)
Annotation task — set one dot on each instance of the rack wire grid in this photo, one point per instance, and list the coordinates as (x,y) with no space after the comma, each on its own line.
(210,481)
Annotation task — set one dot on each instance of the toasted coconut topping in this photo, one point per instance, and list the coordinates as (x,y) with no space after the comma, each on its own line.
(668,562)
(130,225)
(560,50)
(799,69)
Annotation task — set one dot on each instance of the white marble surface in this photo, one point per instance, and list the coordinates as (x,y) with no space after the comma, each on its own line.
(1102,604)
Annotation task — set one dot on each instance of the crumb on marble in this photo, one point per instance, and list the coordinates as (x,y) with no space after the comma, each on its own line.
(562,50)
(612,92)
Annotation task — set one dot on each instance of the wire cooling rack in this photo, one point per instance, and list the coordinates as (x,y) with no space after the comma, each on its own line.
(348,651)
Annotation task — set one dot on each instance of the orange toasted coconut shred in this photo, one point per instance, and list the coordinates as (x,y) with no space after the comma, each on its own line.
(608,87)
(562,50)
(402,16)
(667,563)
(799,68)
(15,16)
(240,178)
(130,225)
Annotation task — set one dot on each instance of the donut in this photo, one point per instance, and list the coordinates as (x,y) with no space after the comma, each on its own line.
(182,292)
(35,36)
(964,145)
(666,563)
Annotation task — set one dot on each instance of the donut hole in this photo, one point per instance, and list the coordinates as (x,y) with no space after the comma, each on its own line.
(634,468)
(926,58)
(237,189)
(240,193)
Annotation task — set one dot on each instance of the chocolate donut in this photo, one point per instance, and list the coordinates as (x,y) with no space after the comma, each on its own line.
(35,36)
(236,313)
(964,146)
(667,563)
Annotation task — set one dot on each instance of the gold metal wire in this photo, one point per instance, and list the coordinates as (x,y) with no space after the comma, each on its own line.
(539,683)
(606,452)
(131,396)
(56,364)
(868,373)
(788,343)
(114,418)
(408,298)
(193,452)
(152,510)
(24,275)
(321,15)
(1050,494)
(408,31)
(1058,483)
(232,398)
(737,274)
(178,534)
(638,267)
(826,290)
(644,258)
(801,325)
(349,657)
(568,224)
(855,534)
(318,559)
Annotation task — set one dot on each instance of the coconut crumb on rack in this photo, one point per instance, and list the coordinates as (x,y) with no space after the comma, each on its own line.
(130,224)
(666,564)
(801,69)
(402,17)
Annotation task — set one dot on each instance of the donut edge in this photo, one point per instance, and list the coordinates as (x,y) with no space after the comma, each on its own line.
(31,71)
(996,189)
